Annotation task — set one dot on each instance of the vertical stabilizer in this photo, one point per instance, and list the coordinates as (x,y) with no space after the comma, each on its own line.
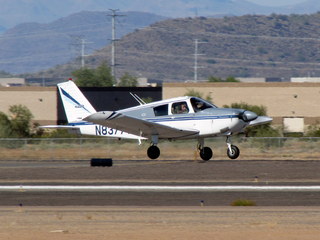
(75,104)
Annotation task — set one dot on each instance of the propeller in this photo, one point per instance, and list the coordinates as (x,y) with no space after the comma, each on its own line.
(248,116)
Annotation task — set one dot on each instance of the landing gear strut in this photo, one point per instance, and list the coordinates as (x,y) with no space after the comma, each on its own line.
(233,151)
(205,152)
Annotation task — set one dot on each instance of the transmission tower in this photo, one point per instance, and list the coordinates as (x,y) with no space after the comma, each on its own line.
(83,55)
(114,14)
(81,42)
(196,54)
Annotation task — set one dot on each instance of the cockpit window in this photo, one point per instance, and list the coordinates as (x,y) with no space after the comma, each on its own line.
(161,110)
(199,104)
(179,108)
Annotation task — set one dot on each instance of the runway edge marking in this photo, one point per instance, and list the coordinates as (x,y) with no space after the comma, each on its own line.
(158,188)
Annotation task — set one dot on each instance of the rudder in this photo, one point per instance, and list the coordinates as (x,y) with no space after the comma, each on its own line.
(75,104)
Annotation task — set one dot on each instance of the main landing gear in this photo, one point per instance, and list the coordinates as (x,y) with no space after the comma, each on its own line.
(206,153)
(153,151)
(233,151)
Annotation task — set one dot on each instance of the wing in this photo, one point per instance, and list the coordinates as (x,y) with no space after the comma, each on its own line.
(137,126)
(260,120)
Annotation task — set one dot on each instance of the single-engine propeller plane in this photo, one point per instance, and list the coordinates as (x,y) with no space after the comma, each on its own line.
(172,119)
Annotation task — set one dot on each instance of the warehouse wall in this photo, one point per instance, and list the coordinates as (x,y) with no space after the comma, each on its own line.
(283,100)
(287,103)
(41,101)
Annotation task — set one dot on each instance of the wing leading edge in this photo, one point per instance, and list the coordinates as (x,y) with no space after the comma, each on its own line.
(137,126)
(260,120)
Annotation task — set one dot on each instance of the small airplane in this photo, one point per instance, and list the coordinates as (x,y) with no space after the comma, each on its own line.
(172,119)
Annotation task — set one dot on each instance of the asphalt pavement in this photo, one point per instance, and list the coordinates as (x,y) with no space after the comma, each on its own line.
(160,183)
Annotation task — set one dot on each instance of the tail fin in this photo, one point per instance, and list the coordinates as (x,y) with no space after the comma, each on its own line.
(74,102)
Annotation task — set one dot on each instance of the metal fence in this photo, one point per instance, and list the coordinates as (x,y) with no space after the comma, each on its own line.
(86,148)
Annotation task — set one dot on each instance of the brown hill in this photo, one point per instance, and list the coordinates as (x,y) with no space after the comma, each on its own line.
(246,46)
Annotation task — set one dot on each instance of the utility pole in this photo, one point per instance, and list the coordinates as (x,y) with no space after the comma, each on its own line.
(196,54)
(113,41)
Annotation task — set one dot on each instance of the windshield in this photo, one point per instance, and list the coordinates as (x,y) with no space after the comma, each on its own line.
(199,104)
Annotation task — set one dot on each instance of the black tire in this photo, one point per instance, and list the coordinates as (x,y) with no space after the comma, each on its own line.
(101,162)
(234,153)
(153,152)
(206,153)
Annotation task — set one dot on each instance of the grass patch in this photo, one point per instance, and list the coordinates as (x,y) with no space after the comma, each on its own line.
(243,202)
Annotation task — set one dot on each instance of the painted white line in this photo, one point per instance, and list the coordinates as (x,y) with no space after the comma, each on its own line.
(159,188)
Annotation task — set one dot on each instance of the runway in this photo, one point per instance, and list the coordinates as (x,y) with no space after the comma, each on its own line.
(160,183)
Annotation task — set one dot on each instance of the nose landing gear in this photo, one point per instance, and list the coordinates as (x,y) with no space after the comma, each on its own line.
(233,151)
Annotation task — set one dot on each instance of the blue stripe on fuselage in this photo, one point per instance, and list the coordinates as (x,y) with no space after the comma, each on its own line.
(190,118)
(170,119)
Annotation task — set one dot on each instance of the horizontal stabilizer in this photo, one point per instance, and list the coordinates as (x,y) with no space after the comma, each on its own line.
(59,126)
(71,129)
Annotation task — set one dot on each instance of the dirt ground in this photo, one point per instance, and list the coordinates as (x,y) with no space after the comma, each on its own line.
(122,223)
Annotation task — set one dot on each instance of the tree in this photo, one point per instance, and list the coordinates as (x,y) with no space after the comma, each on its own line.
(84,77)
(103,75)
(5,74)
(260,110)
(5,126)
(128,80)
(194,93)
(99,77)
(313,131)
(17,123)
(21,118)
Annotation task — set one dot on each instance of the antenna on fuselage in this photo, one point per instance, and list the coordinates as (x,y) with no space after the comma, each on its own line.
(137,98)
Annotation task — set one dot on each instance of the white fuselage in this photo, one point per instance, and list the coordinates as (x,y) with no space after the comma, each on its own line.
(205,125)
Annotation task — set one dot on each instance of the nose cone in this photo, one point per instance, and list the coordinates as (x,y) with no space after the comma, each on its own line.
(248,116)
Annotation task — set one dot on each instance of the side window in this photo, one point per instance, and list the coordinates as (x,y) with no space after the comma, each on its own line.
(179,108)
(161,110)
(199,105)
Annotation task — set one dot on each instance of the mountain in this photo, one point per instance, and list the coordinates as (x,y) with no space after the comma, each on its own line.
(246,46)
(14,12)
(31,47)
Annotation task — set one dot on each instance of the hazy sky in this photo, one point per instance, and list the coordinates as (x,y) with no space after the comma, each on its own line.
(276,2)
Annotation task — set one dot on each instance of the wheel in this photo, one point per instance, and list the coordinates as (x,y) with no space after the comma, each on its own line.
(206,153)
(234,153)
(153,152)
